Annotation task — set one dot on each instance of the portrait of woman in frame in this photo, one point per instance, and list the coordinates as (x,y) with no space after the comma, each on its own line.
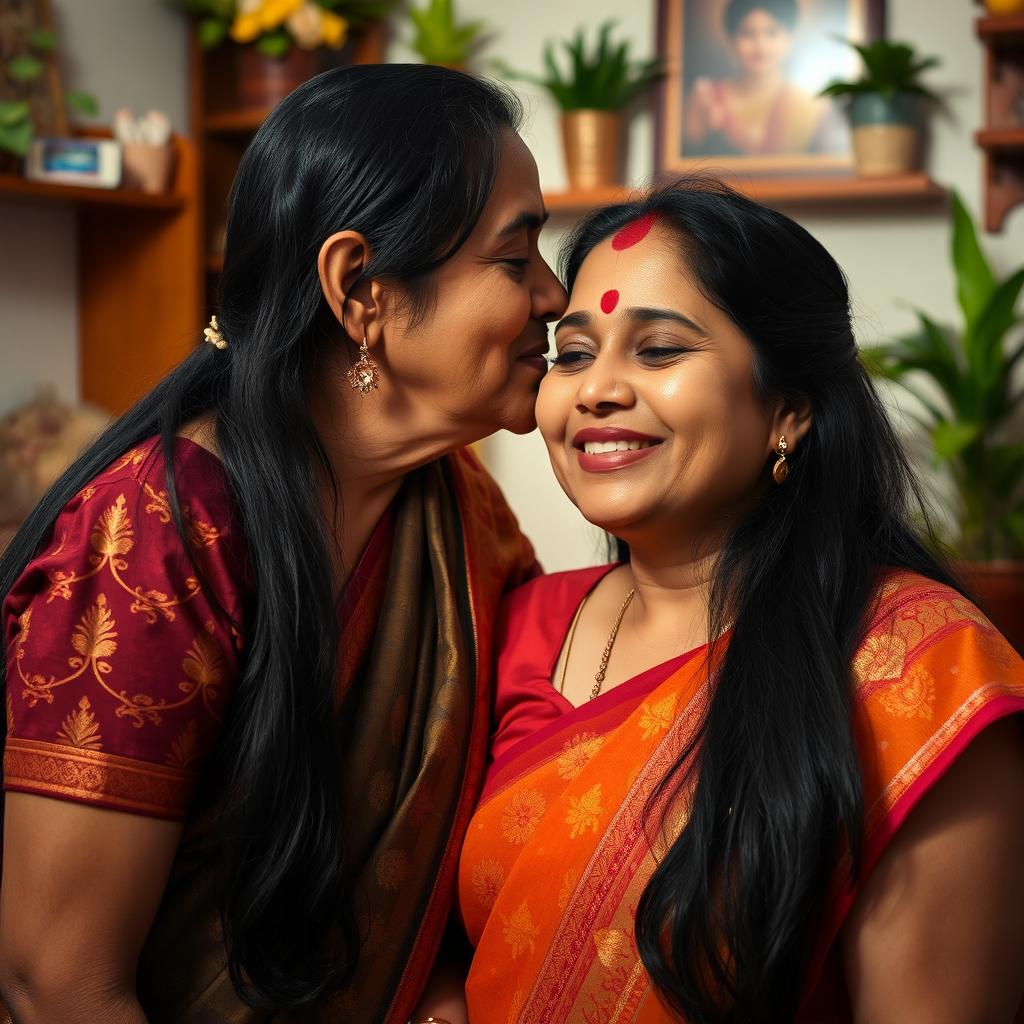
(742,83)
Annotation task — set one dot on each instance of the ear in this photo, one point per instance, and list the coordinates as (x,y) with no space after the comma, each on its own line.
(343,257)
(791,418)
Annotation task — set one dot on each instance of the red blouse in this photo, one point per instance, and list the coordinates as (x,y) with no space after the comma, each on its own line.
(120,655)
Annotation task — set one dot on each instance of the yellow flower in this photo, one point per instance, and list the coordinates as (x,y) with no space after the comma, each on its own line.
(246,28)
(274,12)
(335,30)
(655,718)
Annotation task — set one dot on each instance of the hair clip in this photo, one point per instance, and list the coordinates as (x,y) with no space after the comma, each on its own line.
(213,336)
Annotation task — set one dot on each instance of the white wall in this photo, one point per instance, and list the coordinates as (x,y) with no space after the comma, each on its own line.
(894,260)
(134,51)
(126,53)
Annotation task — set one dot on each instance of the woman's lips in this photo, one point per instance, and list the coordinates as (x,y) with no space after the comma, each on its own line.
(604,449)
(606,462)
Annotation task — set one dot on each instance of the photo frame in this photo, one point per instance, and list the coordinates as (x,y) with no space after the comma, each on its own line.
(739,94)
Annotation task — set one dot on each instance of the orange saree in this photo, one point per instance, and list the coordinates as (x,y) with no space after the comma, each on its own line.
(557,853)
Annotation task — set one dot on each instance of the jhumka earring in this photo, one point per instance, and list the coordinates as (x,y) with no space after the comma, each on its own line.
(364,376)
(781,468)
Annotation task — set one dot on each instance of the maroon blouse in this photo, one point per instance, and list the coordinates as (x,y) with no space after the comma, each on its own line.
(120,656)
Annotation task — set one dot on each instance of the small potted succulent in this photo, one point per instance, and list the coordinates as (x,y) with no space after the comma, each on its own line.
(968,406)
(440,39)
(592,95)
(885,106)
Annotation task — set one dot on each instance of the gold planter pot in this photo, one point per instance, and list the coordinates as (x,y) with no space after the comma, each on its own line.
(593,148)
(885,149)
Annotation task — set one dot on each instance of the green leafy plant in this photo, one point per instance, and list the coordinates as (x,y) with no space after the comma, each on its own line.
(972,370)
(889,68)
(16,126)
(605,79)
(439,38)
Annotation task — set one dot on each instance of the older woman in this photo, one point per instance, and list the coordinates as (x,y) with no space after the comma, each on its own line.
(768,766)
(249,632)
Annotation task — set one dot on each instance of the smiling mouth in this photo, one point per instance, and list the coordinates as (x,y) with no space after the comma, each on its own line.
(607,447)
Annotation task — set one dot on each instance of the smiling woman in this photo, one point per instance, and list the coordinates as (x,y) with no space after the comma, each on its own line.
(769,766)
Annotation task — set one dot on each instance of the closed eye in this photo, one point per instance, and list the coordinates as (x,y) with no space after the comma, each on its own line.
(570,359)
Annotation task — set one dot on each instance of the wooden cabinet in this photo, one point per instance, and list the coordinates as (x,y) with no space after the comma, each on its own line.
(1002,137)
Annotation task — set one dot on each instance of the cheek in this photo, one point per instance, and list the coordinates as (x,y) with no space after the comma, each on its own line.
(554,403)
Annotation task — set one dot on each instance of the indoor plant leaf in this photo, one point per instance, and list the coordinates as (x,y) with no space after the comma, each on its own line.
(83,103)
(13,112)
(42,40)
(950,439)
(975,281)
(24,68)
(15,138)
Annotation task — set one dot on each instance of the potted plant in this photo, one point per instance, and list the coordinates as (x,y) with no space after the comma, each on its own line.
(440,39)
(884,106)
(592,95)
(967,411)
(266,48)
(29,103)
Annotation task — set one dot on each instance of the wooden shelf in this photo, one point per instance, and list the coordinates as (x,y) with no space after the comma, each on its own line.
(1003,28)
(790,192)
(1000,138)
(14,188)
(242,121)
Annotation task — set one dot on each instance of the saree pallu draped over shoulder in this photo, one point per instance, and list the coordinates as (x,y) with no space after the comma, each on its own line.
(560,849)
(412,724)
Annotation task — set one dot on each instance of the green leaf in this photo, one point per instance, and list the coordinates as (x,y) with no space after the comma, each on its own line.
(274,44)
(25,68)
(211,32)
(17,137)
(13,112)
(83,103)
(950,439)
(975,281)
(42,40)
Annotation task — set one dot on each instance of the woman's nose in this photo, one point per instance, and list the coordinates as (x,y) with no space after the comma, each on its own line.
(549,297)
(602,387)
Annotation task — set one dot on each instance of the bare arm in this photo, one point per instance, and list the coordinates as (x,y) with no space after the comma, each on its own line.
(80,888)
(937,933)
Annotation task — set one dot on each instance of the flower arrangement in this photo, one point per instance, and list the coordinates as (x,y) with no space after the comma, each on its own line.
(273,26)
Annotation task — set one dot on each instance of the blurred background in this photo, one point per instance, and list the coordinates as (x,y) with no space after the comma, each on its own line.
(910,171)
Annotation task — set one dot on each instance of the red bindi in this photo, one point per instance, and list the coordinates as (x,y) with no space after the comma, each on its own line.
(609,300)
(635,231)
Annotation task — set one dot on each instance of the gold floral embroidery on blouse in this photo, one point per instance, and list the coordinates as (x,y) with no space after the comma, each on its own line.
(94,639)
(113,537)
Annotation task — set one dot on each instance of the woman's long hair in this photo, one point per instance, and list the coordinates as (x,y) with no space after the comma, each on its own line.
(728,920)
(407,155)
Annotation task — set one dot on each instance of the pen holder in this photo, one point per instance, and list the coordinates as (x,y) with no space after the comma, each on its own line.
(147,168)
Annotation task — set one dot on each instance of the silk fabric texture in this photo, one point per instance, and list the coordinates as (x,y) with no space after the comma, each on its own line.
(412,708)
(560,851)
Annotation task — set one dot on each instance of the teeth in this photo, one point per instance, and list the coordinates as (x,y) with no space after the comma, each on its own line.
(605,447)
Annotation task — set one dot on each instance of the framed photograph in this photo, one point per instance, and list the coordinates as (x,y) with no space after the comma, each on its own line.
(94,163)
(742,79)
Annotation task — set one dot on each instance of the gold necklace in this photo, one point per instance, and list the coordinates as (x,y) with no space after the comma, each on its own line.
(599,676)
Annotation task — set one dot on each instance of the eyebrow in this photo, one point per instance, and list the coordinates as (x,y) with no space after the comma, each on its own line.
(638,314)
(527,220)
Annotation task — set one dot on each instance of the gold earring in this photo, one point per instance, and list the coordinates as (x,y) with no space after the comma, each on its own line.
(781,468)
(364,376)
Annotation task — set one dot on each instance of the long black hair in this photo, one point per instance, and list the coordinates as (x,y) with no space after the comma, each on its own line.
(726,924)
(407,155)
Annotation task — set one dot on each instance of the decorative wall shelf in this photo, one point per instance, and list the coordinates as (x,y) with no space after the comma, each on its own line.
(837,191)
(1002,137)
(139,278)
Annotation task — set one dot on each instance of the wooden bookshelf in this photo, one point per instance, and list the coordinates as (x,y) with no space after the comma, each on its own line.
(1001,139)
(904,188)
(139,278)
